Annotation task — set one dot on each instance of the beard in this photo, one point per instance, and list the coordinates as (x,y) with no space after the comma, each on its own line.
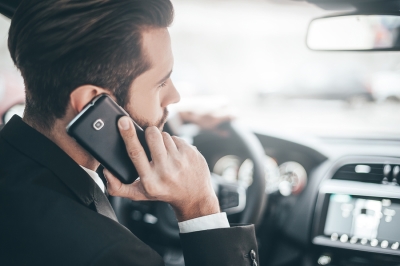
(144,123)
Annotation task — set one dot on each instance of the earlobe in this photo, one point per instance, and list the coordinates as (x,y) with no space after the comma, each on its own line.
(82,95)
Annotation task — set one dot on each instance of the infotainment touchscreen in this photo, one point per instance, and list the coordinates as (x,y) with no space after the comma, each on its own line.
(362,220)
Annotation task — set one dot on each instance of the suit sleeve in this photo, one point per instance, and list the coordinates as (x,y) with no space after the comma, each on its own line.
(234,246)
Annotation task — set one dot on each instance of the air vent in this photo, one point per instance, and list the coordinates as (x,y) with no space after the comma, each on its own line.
(369,173)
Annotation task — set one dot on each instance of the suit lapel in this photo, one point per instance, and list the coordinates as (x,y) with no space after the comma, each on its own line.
(102,204)
(45,152)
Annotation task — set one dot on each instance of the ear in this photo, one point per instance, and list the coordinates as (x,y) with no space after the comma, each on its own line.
(82,95)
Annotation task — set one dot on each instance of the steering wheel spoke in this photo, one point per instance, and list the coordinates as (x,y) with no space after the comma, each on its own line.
(231,196)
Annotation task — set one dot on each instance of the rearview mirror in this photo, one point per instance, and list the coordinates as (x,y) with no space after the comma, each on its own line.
(355,33)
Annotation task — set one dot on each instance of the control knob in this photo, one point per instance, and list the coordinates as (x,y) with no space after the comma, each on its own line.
(386,172)
(396,171)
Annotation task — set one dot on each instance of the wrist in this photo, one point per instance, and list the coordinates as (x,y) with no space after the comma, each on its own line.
(199,208)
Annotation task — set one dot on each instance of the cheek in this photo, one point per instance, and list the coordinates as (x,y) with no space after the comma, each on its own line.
(145,105)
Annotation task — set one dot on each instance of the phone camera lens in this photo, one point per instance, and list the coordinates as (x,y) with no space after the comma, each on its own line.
(99,124)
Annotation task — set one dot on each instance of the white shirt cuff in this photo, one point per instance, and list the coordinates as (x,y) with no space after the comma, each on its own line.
(213,221)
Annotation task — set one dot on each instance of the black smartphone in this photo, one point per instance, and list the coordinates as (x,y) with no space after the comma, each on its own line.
(95,128)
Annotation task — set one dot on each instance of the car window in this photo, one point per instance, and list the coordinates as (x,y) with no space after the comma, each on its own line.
(249,58)
(5,60)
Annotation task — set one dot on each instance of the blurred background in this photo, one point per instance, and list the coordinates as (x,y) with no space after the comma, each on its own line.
(249,58)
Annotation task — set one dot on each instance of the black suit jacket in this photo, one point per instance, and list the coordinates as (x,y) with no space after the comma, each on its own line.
(53,213)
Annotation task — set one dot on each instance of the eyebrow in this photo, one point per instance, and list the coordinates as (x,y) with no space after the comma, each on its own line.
(165,78)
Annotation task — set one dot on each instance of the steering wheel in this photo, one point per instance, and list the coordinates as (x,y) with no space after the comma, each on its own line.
(247,203)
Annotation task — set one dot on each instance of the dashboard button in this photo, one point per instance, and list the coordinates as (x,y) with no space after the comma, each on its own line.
(386,202)
(344,238)
(150,219)
(386,170)
(364,241)
(384,244)
(334,237)
(324,260)
(396,171)
(374,242)
(395,245)
(353,240)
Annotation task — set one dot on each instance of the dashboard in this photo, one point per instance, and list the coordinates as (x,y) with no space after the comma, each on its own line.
(356,211)
(332,201)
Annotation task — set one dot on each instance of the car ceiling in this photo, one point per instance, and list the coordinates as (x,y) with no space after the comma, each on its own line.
(7,7)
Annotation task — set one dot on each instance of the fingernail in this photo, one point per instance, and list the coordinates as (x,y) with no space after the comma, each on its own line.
(123,123)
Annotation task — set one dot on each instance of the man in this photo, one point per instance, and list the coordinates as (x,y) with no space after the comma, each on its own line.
(53,210)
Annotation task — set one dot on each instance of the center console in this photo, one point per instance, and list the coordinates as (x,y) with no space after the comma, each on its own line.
(357,216)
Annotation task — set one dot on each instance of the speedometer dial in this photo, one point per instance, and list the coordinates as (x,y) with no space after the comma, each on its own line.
(228,168)
(231,170)
(293,177)
(245,175)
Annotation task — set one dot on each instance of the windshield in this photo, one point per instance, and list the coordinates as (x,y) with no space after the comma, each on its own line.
(249,58)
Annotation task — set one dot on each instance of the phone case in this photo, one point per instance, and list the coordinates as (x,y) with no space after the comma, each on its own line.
(95,129)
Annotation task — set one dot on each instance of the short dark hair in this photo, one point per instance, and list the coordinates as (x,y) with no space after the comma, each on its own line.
(59,45)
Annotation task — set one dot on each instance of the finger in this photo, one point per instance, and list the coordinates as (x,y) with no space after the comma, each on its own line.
(133,146)
(132,191)
(180,143)
(156,144)
(169,143)
(114,186)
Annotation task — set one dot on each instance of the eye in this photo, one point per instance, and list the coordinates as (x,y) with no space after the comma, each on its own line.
(163,84)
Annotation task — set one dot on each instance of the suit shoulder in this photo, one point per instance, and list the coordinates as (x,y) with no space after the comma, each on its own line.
(16,167)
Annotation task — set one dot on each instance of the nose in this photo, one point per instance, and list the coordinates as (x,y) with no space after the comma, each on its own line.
(172,95)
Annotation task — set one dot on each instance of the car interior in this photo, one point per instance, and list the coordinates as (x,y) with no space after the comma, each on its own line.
(321,198)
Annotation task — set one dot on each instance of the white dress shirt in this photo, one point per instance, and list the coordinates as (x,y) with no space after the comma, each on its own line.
(213,221)
(96,178)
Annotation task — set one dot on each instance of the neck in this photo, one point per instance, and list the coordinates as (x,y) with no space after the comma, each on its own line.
(59,136)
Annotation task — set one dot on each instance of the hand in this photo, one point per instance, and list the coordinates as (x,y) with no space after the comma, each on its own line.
(205,121)
(178,174)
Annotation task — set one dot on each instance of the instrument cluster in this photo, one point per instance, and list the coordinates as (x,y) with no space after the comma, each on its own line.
(287,178)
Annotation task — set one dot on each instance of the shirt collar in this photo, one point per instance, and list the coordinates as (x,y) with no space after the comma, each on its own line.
(96,178)
(45,152)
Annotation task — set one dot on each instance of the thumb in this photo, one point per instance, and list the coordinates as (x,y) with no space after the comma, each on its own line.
(116,188)
(133,146)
